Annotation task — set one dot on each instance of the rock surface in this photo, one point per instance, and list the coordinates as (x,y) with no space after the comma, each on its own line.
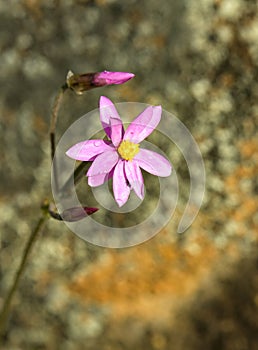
(199,60)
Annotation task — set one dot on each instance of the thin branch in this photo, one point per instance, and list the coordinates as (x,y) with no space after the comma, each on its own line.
(74,178)
(7,303)
(52,131)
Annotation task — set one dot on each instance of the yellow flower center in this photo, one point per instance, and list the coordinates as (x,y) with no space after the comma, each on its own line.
(128,149)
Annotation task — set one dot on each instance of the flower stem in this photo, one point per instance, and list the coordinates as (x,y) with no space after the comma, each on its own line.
(74,178)
(52,131)
(7,303)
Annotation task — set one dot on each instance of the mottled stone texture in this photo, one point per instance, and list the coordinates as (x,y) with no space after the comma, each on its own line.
(199,60)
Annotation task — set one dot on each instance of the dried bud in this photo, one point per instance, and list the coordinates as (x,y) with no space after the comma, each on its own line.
(77,213)
(73,214)
(83,82)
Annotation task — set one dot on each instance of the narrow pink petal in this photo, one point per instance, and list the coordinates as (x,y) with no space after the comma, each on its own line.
(134,177)
(98,180)
(116,131)
(143,125)
(120,186)
(103,163)
(107,110)
(153,163)
(86,150)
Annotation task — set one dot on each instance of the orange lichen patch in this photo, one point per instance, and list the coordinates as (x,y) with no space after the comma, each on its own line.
(242,172)
(138,280)
(247,171)
(247,210)
(246,204)
(231,181)
(249,148)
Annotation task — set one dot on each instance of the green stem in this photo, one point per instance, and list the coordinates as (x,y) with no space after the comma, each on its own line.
(7,303)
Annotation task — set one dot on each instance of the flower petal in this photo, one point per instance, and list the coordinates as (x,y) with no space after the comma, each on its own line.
(153,163)
(98,180)
(107,110)
(116,131)
(134,177)
(120,186)
(103,163)
(143,125)
(87,150)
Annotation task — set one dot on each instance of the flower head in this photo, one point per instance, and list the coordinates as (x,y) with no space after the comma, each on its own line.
(120,157)
(83,82)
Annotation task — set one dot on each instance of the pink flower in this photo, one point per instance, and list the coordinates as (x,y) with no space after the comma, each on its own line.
(84,82)
(121,157)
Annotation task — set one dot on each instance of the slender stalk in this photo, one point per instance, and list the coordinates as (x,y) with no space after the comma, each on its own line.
(7,303)
(74,178)
(52,131)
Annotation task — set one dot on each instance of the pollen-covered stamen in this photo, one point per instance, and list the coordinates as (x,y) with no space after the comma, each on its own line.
(128,149)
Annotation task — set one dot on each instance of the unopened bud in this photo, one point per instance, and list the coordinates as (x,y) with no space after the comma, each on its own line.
(77,213)
(83,82)
(109,78)
(73,214)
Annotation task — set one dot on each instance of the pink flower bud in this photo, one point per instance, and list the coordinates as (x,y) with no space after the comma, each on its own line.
(77,213)
(83,82)
(72,214)
(108,78)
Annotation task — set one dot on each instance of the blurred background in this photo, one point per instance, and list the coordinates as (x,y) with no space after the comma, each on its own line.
(199,60)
